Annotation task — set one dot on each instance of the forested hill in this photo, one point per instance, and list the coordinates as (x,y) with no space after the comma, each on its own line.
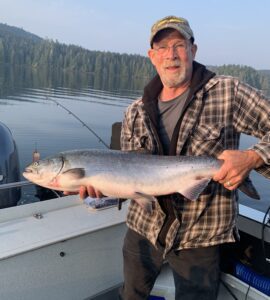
(21,48)
(12,32)
(18,47)
(258,79)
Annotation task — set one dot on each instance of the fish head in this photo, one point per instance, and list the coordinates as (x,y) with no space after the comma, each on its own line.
(44,172)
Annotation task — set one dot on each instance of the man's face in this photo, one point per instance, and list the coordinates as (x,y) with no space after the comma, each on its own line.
(172,57)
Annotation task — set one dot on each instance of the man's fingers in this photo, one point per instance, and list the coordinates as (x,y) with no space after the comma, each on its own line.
(229,182)
(221,174)
(86,191)
(90,191)
(230,185)
(99,194)
(83,192)
(70,193)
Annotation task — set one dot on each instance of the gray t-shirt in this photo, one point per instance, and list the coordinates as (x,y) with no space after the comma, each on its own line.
(169,113)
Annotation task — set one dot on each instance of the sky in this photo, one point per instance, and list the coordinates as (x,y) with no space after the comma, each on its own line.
(226,32)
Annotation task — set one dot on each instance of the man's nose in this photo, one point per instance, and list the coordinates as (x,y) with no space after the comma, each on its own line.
(171,52)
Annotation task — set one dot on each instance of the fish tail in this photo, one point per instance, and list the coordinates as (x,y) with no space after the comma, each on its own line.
(249,189)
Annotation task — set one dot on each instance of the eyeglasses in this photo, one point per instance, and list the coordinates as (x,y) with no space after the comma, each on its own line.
(163,50)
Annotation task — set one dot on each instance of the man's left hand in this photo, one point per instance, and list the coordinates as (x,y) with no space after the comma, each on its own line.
(236,167)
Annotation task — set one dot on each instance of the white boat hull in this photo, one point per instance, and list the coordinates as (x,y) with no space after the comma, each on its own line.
(70,253)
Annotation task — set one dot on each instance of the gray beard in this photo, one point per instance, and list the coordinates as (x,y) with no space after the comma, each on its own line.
(174,82)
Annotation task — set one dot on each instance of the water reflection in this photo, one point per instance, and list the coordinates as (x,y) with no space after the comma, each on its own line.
(14,78)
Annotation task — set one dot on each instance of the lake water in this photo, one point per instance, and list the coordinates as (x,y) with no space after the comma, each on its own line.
(35,120)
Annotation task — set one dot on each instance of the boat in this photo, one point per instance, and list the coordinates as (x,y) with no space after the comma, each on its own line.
(65,248)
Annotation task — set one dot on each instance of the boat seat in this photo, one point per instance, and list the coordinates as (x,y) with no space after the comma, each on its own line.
(115,137)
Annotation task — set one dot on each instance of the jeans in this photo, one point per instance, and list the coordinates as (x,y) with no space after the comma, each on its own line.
(195,271)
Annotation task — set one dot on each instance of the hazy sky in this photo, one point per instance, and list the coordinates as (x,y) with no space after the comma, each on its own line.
(226,32)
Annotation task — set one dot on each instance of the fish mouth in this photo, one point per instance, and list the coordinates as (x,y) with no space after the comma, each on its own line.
(28,174)
(28,170)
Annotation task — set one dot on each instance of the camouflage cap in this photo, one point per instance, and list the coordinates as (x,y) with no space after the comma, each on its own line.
(179,24)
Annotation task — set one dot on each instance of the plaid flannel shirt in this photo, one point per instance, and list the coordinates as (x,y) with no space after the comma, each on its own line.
(222,109)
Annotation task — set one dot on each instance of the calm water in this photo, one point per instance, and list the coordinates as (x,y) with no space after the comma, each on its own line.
(35,120)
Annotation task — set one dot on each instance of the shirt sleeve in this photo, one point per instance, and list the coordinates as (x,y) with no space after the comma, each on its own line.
(252,117)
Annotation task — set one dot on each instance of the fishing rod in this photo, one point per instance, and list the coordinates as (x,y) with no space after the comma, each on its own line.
(120,201)
(80,120)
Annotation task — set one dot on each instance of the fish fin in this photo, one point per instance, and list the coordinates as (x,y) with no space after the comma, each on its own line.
(145,201)
(194,188)
(249,189)
(76,173)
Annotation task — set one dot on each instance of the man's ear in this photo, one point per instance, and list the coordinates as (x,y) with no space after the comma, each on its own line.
(151,55)
(194,50)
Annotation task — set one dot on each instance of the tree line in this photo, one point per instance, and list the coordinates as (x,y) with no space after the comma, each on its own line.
(258,79)
(21,48)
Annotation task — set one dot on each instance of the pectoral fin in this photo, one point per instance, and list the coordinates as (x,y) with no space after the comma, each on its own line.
(76,173)
(194,188)
(145,201)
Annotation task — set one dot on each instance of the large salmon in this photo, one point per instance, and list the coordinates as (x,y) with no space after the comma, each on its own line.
(127,174)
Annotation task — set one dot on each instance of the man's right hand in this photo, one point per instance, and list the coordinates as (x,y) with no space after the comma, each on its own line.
(86,191)
(90,191)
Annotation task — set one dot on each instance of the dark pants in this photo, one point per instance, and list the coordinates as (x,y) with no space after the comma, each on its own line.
(195,271)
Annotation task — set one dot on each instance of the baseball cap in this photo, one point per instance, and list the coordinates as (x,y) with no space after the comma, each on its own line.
(177,23)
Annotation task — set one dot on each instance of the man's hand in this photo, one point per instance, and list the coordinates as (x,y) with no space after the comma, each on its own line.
(89,190)
(236,167)
(86,191)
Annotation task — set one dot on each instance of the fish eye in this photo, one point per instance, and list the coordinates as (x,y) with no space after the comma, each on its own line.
(35,164)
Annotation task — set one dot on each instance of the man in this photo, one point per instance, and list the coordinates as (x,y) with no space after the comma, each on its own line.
(188,110)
